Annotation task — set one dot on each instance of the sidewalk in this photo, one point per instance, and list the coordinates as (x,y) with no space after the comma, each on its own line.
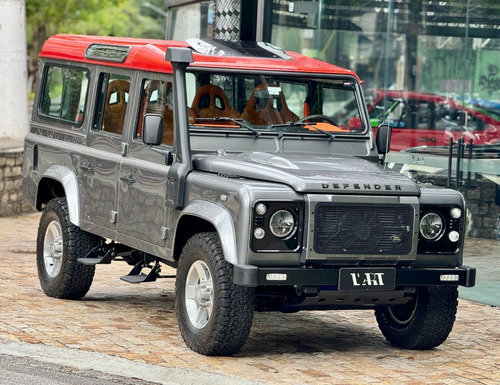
(483,254)
(13,144)
(137,323)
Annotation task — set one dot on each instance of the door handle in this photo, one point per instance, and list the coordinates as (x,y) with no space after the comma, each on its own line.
(427,140)
(87,169)
(127,179)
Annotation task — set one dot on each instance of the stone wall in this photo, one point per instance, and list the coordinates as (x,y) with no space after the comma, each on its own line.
(11,200)
(483,203)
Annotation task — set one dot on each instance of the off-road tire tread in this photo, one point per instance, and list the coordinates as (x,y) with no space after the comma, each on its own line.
(74,279)
(233,309)
(431,324)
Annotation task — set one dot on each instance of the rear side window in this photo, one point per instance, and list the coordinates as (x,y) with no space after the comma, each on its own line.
(64,93)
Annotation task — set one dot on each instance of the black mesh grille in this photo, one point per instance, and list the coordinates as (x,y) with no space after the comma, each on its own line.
(363,229)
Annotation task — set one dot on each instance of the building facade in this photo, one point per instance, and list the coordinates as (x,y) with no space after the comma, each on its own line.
(430,69)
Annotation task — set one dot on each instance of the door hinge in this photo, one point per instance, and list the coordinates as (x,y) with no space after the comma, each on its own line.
(124,148)
(113,216)
(164,232)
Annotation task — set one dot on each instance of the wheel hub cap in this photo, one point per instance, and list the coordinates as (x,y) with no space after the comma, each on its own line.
(53,249)
(199,294)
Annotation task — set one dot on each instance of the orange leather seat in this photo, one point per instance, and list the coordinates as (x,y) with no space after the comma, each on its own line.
(265,108)
(210,101)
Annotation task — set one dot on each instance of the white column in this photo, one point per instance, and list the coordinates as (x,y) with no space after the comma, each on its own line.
(13,69)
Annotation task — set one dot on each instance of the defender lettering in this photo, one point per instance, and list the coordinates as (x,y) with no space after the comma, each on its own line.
(365,186)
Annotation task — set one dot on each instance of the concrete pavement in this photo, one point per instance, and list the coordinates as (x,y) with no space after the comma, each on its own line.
(134,327)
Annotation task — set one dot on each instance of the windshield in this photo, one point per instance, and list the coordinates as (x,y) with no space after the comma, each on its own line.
(257,104)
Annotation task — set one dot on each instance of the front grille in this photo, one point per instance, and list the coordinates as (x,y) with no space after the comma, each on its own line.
(356,261)
(363,229)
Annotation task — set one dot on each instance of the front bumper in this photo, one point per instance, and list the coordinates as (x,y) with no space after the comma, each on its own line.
(253,276)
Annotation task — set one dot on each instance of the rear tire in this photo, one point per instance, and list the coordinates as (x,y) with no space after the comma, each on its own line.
(424,322)
(59,245)
(214,314)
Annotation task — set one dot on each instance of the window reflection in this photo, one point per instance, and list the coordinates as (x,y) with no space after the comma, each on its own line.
(433,77)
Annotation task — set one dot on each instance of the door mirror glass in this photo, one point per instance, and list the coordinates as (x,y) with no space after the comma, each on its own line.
(383,139)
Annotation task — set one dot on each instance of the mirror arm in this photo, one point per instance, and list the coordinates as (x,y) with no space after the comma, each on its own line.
(169,159)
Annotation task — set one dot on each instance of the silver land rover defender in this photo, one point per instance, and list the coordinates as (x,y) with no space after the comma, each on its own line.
(252,171)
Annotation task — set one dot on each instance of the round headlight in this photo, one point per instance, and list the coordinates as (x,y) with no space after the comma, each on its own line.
(431,226)
(281,223)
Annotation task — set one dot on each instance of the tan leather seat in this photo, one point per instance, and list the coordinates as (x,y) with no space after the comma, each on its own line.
(158,96)
(161,103)
(115,106)
(264,108)
(210,101)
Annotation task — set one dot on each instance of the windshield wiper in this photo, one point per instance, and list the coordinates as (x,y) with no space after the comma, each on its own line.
(239,122)
(303,124)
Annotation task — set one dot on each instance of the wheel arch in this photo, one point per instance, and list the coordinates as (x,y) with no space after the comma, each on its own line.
(200,216)
(60,181)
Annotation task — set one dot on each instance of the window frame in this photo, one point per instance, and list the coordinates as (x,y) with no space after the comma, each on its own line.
(86,74)
(139,113)
(105,76)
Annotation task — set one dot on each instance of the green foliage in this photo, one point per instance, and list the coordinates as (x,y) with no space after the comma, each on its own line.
(127,18)
(98,17)
(45,18)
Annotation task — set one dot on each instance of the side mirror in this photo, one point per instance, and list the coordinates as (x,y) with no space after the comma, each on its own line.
(383,139)
(152,134)
(152,129)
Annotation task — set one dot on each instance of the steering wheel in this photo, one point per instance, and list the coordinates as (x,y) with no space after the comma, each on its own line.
(317,117)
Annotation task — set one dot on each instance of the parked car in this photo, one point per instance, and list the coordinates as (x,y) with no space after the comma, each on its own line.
(424,119)
(209,157)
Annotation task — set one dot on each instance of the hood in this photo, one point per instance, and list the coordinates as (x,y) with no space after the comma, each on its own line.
(310,174)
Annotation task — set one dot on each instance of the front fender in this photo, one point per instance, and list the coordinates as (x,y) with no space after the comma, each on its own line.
(221,220)
(67,178)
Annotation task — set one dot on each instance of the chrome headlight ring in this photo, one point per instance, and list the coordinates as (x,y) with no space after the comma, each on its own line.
(431,226)
(282,223)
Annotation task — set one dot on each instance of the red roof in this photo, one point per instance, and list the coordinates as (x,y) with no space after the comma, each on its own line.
(149,55)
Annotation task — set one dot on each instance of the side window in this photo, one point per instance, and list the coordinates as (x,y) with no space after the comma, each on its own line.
(64,93)
(156,98)
(112,101)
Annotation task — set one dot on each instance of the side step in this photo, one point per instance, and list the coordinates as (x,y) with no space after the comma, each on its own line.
(98,255)
(137,276)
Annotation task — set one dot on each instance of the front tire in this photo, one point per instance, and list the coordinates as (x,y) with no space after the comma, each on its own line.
(214,314)
(424,322)
(59,245)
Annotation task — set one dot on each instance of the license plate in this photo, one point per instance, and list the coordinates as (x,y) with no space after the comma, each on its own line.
(367,279)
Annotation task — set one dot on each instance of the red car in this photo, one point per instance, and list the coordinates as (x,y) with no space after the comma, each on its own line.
(423,119)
